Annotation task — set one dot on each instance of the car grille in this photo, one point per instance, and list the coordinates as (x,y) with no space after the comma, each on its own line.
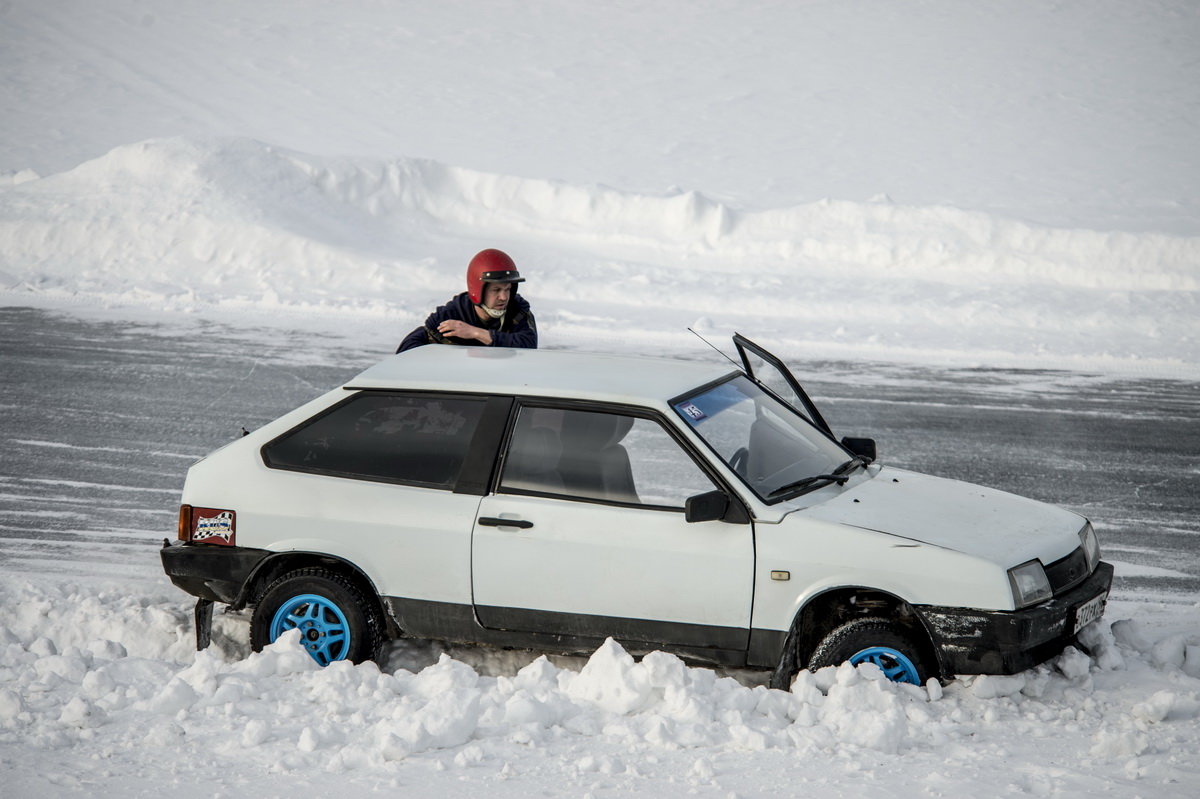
(1068,572)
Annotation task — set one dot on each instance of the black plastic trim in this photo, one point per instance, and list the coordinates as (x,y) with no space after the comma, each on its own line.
(766,647)
(492,521)
(479,467)
(1005,642)
(215,573)
(1066,573)
(725,646)
(626,629)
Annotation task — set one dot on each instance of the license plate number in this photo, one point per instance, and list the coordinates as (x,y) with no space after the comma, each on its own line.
(1089,611)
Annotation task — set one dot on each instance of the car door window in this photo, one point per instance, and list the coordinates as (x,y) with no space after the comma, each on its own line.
(598,456)
(400,438)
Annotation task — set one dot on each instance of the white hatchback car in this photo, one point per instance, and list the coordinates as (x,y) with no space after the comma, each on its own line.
(551,499)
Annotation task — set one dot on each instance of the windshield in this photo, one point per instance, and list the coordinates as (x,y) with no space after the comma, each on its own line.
(767,443)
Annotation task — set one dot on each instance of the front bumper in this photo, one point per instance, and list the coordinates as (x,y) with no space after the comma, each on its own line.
(215,573)
(1006,642)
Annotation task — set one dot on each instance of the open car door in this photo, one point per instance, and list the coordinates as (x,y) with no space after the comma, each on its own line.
(771,373)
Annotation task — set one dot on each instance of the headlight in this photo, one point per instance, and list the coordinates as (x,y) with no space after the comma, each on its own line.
(1029,584)
(1091,546)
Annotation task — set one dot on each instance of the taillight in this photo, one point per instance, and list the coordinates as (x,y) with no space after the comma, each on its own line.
(185,522)
(207,525)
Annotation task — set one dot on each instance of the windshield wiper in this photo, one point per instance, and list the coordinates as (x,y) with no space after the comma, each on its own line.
(808,482)
(849,465)
(839,475)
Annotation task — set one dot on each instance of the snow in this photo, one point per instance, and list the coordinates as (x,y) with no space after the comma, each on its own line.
(986,183)
(101,691)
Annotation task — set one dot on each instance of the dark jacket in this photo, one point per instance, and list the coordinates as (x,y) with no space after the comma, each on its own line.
(514,329)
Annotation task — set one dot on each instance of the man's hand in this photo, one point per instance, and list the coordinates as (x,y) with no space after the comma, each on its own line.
(459,329)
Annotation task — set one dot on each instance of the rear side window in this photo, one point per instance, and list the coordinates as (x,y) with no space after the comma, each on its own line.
(396,438)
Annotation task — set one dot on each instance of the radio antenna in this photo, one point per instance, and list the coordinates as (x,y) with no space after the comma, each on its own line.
(709,343)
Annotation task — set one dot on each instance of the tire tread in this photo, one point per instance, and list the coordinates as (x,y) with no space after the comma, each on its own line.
(370,648)
(838,646)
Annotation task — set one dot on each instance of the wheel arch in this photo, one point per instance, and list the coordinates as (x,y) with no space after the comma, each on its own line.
(830,608)
(275,566)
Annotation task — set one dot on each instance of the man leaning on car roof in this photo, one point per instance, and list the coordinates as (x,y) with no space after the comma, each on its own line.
(489,313)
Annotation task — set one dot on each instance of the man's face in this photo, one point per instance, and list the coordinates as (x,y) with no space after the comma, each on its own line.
(496,295)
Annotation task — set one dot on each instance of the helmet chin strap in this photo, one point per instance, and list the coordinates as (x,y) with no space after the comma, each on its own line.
(492,312)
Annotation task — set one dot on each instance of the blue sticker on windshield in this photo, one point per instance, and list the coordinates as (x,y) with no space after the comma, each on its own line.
(690,411)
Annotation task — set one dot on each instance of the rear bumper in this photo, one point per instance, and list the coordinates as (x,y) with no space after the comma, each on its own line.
(1006,642)
(210,572)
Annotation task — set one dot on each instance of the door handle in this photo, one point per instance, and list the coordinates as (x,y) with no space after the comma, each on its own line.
(492,521)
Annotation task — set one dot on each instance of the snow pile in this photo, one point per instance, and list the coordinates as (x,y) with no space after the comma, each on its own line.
(90,673)
(1074,114)
(199,224)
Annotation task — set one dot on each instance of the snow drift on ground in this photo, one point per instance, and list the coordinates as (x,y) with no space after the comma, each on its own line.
(192,224)
(100,692)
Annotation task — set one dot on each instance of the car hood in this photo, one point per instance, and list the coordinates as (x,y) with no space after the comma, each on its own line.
(1003,528)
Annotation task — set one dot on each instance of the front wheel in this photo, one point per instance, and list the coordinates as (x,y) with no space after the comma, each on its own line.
(872,640)
(335,620)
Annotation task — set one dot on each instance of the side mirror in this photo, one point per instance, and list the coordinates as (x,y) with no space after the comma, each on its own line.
(716,505)
(862,447)
(710,506)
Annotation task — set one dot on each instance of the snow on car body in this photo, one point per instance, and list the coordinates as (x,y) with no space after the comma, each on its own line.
(552,499)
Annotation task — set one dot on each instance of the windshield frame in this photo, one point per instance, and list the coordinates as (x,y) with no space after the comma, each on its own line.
(819,434)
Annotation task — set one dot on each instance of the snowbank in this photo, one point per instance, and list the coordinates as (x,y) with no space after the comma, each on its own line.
(92,675)
(1079,113)
(195,224)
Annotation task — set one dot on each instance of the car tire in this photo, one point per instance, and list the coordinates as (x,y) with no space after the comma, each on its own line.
(335,619)
(872,640)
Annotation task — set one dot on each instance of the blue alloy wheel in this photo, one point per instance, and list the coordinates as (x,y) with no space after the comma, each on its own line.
(894,648)
(894,664)
(324,631)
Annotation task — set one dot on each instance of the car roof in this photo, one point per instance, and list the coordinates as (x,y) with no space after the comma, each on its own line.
(553,373)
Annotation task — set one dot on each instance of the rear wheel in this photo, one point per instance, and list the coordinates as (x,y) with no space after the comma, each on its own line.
(872,640)
(335,620)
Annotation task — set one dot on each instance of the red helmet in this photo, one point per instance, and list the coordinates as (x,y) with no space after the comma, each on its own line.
(490,266)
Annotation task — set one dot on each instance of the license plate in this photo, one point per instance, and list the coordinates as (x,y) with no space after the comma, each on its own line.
(1089,611)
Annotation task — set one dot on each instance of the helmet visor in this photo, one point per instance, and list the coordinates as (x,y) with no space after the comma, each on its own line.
(502,276)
